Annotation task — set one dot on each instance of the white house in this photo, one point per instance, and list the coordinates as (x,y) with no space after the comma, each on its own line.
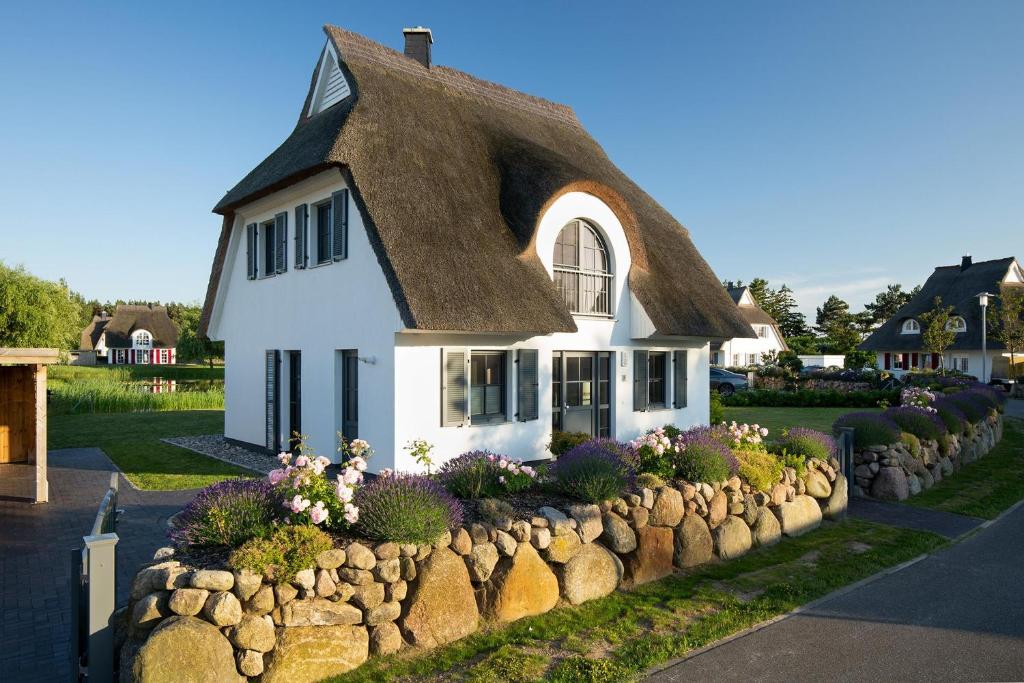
(746,351)
(432,256)
(134,335)
(898,344)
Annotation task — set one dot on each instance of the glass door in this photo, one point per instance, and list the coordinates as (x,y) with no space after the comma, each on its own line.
(581,392)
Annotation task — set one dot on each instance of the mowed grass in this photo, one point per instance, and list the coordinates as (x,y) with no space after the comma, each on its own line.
(985,487)
(777,419)
(132,441)
(619,637)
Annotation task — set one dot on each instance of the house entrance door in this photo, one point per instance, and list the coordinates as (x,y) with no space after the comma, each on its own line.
(581,392)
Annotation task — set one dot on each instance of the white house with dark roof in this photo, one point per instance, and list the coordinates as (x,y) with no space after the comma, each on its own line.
(432,256)
(898,343)
(747,351)
(134,335)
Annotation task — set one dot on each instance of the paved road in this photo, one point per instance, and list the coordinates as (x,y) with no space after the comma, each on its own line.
(35,543)
(957,615)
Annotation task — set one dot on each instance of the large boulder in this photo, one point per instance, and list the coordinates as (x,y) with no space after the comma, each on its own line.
(816,484)
(652,559)
(693,543)
(441,606)
(718,508)
(617,535)
(668,508)
(835,507)
(253,633)
(313,653)
(321,612)
(800,516)
(732,538)
(481,561)
(890,483)
(185,650)
(588,521)
(521,587)
(766,530)
(593,573)
(561,549)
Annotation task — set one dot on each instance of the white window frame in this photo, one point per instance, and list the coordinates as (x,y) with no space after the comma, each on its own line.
(910,326)
(956,324)
(762,331)
(142,339)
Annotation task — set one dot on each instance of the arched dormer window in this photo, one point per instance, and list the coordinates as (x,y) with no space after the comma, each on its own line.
(956,324)
(911,326)
(583,272)
(141,339)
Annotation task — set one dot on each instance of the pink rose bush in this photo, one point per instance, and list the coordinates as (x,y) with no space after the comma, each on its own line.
(309,497)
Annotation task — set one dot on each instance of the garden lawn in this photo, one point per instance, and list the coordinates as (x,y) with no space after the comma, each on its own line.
(621,636)
(132,441)
(777,419)
(986,487)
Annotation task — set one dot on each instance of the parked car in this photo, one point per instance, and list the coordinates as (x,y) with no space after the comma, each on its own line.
(727,383)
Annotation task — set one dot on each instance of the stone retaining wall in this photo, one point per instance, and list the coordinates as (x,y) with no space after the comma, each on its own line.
(186,623)
(810,384)
(892,472)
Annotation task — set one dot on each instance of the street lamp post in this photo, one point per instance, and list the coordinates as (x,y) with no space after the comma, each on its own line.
(983,300)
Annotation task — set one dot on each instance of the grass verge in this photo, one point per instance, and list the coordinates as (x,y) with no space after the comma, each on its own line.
(777,419)
(621,636)
(132,441)
(986,487)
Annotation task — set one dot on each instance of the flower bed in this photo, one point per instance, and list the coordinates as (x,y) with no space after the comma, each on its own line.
(313,597)
(910,447)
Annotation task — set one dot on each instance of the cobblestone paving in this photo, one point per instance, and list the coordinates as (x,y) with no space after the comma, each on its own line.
(35,546)
(214,446)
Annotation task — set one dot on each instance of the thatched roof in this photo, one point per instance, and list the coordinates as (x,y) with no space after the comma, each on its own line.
(957,287)
(451,175)
(128,319)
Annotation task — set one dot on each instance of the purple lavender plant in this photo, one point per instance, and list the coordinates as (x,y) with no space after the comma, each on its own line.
(228,513)
(951,415)
(595,471)
(406,508)
(809,443)
(921,422)
(869,429)
(702,454)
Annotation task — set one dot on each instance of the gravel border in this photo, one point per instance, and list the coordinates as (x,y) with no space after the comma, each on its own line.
(214,446)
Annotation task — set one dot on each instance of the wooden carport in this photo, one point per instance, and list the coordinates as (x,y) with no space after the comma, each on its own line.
(23,422)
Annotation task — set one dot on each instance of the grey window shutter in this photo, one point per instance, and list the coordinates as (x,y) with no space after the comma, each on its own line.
(640,389)
(340,211)
(281,248)
(250,253)
(273,412)
(301,228)
(679,377)
(454,387)
(526,384)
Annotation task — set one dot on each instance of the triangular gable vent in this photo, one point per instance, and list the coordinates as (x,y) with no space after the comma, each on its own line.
(331,86)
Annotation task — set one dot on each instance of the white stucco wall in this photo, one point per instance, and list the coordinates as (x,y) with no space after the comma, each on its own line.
(342,305)
(745,346)
(951,360)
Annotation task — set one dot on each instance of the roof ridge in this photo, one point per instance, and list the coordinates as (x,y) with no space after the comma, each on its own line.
(460,81)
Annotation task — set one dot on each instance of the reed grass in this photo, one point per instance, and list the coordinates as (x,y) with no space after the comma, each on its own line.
(76,390)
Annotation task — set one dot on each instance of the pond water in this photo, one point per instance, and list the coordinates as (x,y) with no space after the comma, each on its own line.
(160,385)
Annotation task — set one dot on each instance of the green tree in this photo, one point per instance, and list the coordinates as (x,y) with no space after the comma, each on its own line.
(192,346)
(36,312)
(1007,323)
(833,312)
(804,344)
(778,303)
(887,302)
(936,335)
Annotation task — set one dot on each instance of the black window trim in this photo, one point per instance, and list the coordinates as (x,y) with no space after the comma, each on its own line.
(664,404)
(263,243)
(315,212)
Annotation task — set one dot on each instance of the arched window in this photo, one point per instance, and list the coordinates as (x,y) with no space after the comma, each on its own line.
(911,326)
(142,339)
(583,272)
(956,324)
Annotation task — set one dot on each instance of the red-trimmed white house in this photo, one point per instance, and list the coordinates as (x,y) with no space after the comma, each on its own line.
(134,335)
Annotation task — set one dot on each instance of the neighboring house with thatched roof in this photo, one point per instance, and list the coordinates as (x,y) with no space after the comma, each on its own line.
(134,335)
(747,351)
(898,343)
(432,256)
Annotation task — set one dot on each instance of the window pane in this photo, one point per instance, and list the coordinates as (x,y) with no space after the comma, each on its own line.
(586,367)
(602,392)
(492,399)
(572,394)
(476,400)
(323,233)
(556,421)
(572,368)
(585,398)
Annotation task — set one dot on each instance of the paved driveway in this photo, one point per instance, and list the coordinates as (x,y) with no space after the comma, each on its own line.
(957,615)
(35,543)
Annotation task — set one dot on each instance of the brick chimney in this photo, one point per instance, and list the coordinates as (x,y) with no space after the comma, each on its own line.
(417,44)
(965,262)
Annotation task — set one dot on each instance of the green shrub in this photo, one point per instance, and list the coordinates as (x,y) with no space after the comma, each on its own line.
(562,442)
(795,460)
(759,468)
(648,480)
(652,462)
(482,474)
(805,398)
(809,443)
(284,554)
(912,443)
(791,361)
(579,669)
(492,509)
(717,409)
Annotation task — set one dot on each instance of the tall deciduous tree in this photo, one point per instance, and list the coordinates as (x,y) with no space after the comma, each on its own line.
(936,334)
(192,346)
(1007,323)
(36,312)
(887,302)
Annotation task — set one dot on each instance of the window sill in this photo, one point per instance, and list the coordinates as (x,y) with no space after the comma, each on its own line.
(319,265)
(491,423)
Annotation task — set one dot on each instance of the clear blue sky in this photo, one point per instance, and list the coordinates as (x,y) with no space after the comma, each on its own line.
(832,146)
